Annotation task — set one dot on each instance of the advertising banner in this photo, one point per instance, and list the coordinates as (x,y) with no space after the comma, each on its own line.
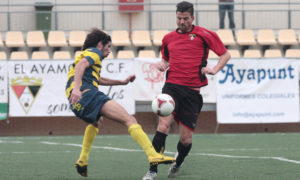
(37,88)
(120,70)
(258,91)
(149,81)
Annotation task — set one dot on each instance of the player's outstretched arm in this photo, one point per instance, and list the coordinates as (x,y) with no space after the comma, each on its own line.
(221,63)
(110,82)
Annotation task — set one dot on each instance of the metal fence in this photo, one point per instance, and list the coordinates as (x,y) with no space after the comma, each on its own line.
(23,17)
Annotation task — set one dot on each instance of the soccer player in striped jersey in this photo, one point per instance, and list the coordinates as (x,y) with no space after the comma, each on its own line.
(89,104)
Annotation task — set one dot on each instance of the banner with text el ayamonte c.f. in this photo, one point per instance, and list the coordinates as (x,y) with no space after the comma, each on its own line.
(37,88)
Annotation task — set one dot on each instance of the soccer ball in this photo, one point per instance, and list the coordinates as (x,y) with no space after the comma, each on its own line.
(163,105)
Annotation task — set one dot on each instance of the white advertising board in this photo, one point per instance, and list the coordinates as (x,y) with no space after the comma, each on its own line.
(256,91)
(37,88)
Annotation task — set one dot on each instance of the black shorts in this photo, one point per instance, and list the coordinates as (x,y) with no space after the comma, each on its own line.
(188,104)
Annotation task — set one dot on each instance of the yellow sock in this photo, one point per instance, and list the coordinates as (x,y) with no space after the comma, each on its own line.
(88,139)
(137,133)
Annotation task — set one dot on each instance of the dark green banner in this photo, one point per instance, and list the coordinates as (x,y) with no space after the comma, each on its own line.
(3,110)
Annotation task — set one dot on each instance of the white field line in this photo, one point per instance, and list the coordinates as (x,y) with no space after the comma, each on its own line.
(166,152)
(36,152)
(200,154)
(249,157)
(96,147)
(11,142)
(54,137)
(225,149)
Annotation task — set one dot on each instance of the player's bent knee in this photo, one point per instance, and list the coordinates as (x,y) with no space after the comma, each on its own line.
(186,141)
(130,121)
(163,127)
(133,120)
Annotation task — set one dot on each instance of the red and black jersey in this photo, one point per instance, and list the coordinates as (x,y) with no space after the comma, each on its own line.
(187,53)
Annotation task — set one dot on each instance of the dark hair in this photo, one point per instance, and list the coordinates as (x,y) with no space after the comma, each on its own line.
(94,37)
(185,6)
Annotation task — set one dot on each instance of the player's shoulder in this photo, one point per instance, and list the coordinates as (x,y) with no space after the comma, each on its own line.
(169,36)
(204,32)
(93,50)
(172,33)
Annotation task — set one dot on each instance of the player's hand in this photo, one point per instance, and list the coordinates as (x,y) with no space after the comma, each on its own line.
(160,66)
(75,96)
(208,70)
(130,78)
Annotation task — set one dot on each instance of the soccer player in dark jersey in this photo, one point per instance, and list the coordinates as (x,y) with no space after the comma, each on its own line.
(89,104)
(184,58)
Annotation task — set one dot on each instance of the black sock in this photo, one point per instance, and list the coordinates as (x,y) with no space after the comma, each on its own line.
(158,142)
(183,151)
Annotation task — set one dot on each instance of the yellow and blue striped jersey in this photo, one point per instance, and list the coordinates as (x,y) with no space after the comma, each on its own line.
(91,76)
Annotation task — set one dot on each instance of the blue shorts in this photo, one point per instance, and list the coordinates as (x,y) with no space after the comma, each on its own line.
(89,106)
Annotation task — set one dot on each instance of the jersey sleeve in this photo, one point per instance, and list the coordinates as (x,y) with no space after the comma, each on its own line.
(164,49)
(215,43)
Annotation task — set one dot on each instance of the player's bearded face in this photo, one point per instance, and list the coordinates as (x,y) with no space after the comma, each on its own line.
(106,49)
(184,21)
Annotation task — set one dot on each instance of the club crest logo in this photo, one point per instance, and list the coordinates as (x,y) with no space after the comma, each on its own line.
(192,36)
(152,74)
(26,90)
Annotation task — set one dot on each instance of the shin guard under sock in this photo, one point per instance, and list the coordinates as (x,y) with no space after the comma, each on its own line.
(183,151)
